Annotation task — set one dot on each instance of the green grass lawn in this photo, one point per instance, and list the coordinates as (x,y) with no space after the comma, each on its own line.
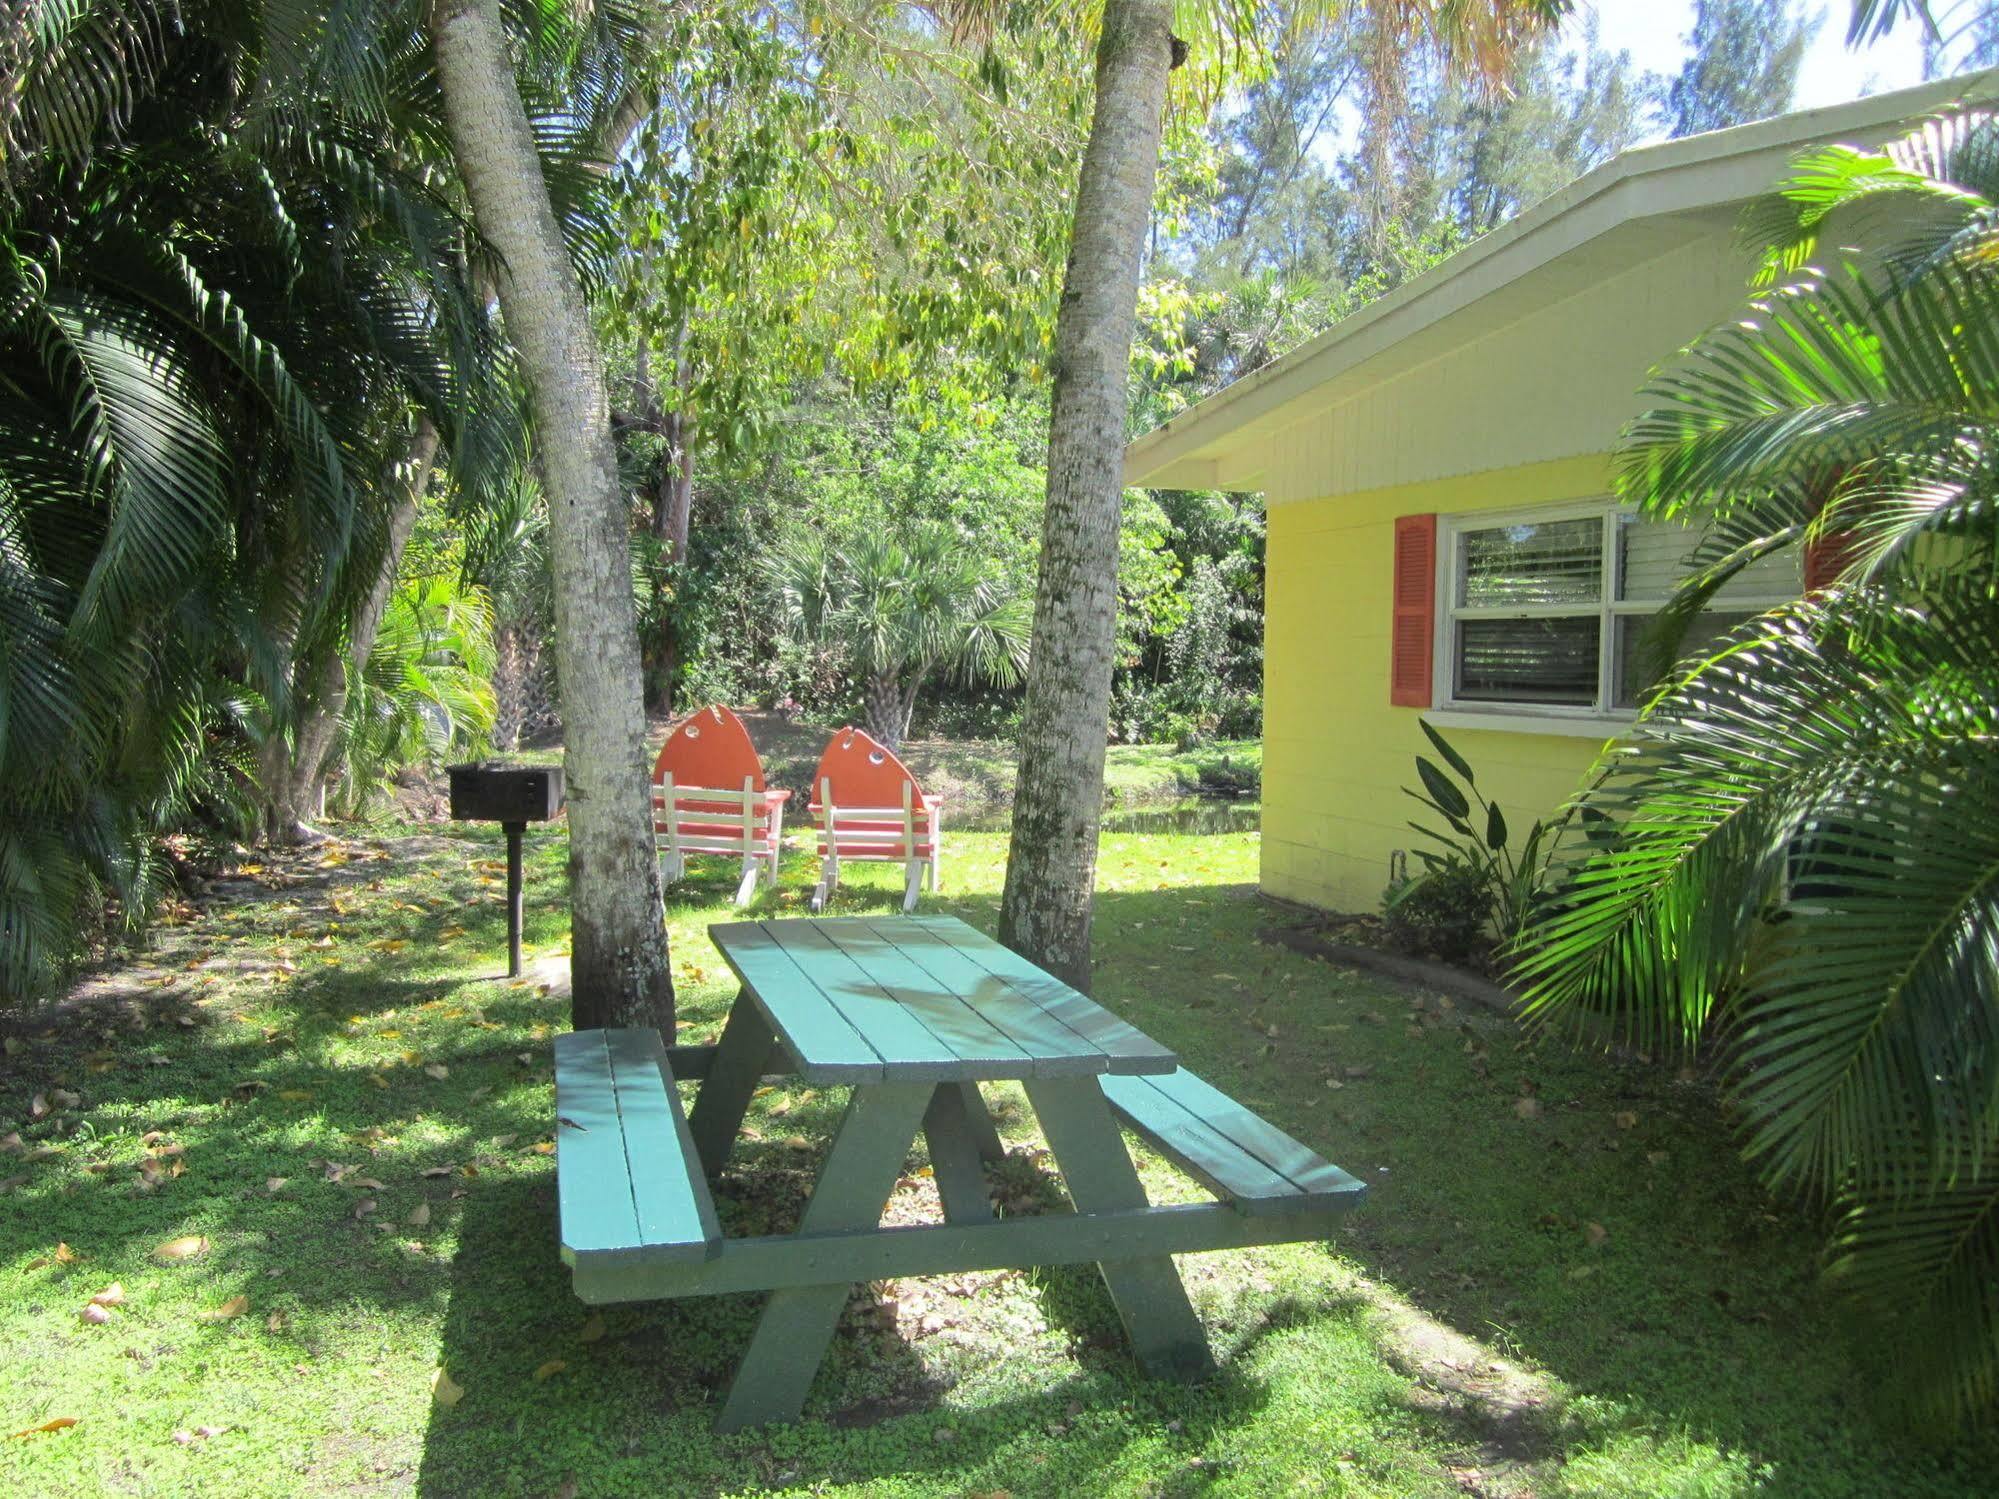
(321,1091)
(976,776)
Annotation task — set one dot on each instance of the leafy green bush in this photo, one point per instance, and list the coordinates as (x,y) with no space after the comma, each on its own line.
(1806,821)
(1476,842)
(1444,912)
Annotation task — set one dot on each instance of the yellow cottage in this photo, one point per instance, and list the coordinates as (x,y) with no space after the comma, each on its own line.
(1442,539)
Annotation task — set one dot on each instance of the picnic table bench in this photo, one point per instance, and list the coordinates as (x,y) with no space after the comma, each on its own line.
(912,1014)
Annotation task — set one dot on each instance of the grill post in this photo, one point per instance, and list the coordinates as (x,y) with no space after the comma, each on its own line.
(514,832)
(513,796)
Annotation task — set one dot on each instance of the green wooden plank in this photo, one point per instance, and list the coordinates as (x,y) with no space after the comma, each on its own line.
(1165,1335)
(593,1178)
(979,1123)
(1054,1049)
(668,1191)
(907,1047)
(1128,1049)
(797,1323)
(971,1038)
(1295,1161)
(745,1049)
(817,1037)
(1212,1159)
(954,1156)
(772,1261)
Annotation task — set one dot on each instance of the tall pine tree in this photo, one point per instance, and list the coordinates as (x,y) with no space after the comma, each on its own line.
(1743,64)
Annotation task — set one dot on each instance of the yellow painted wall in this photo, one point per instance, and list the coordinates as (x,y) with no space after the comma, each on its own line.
(1336,755)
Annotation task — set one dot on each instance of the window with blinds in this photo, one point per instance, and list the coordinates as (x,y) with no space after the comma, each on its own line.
(1552,610)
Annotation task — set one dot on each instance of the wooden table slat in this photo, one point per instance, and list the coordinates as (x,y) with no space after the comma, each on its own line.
(820,1040)
(1054,1048)
(658,1149)
(1212,1158)
(1292,1159)
(970,1036)
(593,1175)
(1126,1048)
(906,1046)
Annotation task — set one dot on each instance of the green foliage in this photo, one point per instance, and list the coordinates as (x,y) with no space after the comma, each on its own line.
(1690,1352)
(893,608)
(1444,913)
(1803,849)
(1476,845)
(427,692)
(1744,64)
(224,298)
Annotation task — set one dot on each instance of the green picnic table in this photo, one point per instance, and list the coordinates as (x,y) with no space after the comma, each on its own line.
(911,1014)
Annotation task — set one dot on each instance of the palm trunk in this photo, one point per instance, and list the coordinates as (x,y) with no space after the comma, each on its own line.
(618,965)
(337,674)
(672,507)
(1051,866)
(881,706)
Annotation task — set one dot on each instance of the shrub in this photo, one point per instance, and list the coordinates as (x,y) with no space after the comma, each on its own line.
(1442,913)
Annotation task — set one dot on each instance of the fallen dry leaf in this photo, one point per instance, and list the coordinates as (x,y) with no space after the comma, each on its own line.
(435,1171)
(550,1369)
(186,1247)
(1527,1108)
(111,1295)
(94,1314)
(1625,1119)
(234,1307)
(275,1183)
(60,1423)
(419,1215)
(593,1329)
(444,1390)
(1595,1234)
(437,1070)
(364,1207)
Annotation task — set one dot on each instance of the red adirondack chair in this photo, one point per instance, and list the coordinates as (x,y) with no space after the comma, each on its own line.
(709,798)
(870,809)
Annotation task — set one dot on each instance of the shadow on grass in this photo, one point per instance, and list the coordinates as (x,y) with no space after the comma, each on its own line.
(1695,1310)
(638,1386)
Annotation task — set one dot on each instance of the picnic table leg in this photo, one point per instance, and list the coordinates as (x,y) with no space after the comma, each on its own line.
(955,1154)
(979,1121)
(797,1323)
(1165,1335)
(741,1058)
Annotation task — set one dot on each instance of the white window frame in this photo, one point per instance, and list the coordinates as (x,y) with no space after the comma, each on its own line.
(1599,718)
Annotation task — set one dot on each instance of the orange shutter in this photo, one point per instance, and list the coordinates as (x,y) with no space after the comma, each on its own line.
(1412,632)
(1826,559)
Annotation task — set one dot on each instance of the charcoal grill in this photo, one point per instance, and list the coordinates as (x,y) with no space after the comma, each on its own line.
(513,796)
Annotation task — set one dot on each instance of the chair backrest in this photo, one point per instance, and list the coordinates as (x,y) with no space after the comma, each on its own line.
(867,802)
(708,787)
(709,747)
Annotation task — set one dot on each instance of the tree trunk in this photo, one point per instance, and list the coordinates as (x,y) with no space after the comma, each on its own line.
(672,507)
(618,964)
(337,675)
(881,707)
(1051,865)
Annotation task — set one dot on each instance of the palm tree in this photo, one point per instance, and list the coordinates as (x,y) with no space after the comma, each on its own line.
(223,308)
(618,965)
(1051,861)
(1801,859)
(900,609)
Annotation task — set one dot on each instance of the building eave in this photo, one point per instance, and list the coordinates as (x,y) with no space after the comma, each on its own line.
(1637,204)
